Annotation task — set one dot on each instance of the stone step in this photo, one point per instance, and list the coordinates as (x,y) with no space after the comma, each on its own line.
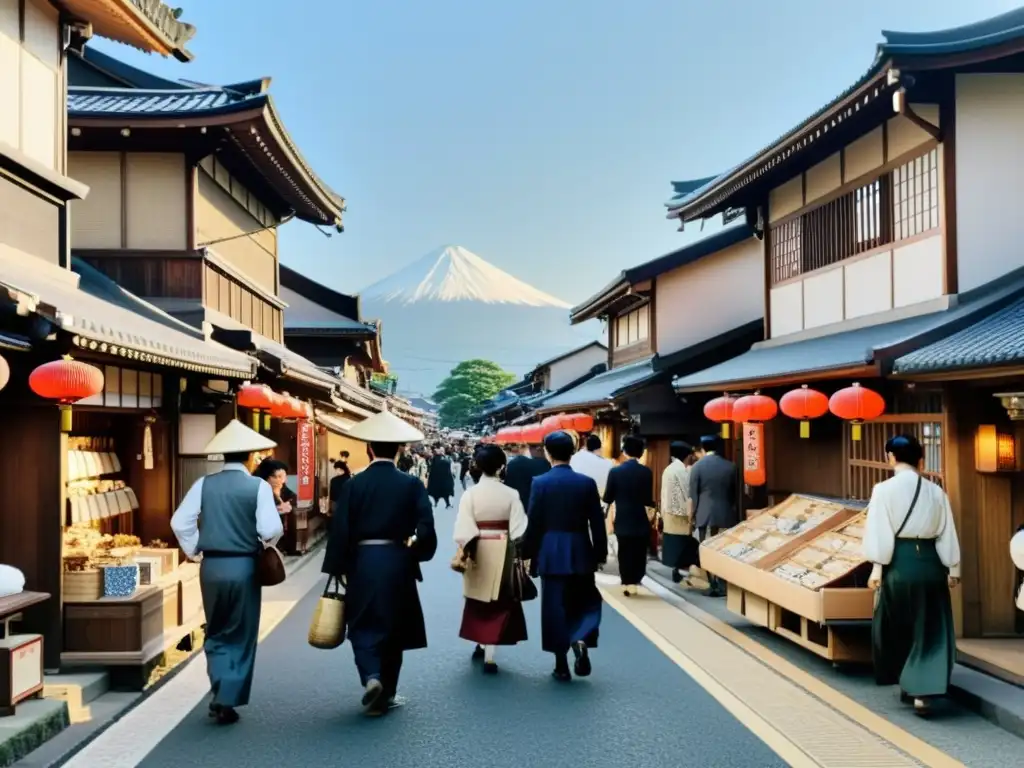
(78,690)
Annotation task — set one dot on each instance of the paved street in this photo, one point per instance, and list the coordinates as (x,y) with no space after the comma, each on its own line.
(654,700)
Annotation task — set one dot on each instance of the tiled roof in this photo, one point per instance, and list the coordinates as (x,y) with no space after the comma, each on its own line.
(996,340)
(600,388)
(149,25)
(192,102)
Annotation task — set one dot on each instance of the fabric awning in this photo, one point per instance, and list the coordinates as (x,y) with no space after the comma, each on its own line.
(100,313)
(335,423)
(600,389)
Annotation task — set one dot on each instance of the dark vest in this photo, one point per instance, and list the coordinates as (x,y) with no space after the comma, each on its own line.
(227,518)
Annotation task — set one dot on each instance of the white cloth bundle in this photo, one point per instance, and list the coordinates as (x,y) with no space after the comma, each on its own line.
(12,581)
(1017,555)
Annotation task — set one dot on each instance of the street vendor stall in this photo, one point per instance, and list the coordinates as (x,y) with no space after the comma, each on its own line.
(796,569)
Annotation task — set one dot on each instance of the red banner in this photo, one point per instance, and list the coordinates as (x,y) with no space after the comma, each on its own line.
(307,460)
(753,455)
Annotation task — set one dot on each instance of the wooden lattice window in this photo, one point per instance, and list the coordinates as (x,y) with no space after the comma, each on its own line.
(866,461)
(916,196)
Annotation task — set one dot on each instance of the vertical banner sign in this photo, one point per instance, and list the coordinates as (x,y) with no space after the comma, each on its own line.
(304,431)
(753,454)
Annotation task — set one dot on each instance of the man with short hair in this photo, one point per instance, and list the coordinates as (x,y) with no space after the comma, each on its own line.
(591,463)
(631,489)
(713,489)
(521,471)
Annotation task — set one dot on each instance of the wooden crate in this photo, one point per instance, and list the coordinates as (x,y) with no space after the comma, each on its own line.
(82,586)
(115,625)
(190,596)
(168,557)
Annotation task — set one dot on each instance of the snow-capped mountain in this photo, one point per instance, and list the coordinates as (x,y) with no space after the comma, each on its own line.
(453,273)
(451,305)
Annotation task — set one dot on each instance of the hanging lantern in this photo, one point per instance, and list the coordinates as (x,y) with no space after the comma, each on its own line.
(282,407)
(754,409)
(754,472)
(719,411)
(804,404)
(514,436)
(67,381)
(856,404)
(551,424)
(257,397)
(533,434)
(578,422)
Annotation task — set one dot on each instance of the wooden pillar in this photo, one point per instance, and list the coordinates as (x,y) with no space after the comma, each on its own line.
(32,487)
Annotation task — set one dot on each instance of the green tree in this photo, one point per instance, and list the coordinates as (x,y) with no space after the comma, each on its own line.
(469,384)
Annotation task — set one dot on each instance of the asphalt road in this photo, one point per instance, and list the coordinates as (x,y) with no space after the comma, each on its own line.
(637,709)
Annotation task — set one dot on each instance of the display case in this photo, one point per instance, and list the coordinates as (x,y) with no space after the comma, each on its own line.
(796,569)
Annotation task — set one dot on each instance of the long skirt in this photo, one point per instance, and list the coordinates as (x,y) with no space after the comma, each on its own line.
(570,611)
(913,639)
(632,559)
(231,602)
(501,622)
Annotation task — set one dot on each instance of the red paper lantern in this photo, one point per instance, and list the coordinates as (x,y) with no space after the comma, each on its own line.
(754,409)
(857,404)
(719,411)
(258,397)
(551,424)
(67,381)
(804,404)
(301,409)
(533,434)
(514,436)
(578,422)
(282,407)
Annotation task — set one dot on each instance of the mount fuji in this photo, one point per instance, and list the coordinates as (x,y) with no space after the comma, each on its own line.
(451,305)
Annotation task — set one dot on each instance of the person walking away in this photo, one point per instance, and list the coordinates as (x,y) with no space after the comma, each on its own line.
(679,548)
(521,471)
(342,474)
(382,531)
(490,520)
(440,481)
(464,460)
(713,486)
(911,538)
(221,522)
(565,543)
(631,489)
(591,463)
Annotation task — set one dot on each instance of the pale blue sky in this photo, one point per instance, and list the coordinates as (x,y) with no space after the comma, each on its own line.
(540,134)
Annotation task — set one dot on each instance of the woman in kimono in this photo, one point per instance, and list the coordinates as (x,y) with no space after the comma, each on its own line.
(441,481)
(679,549)
(910,536)
(490,520)
(276,474)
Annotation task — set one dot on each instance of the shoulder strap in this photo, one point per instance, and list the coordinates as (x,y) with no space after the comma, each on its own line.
(917,493)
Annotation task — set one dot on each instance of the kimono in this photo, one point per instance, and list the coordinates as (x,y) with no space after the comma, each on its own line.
(440,480)
(382,531)
(911,538)
(679,548)
(490,520)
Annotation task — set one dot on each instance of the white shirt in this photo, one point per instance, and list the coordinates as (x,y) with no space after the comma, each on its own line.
(489,501)
(593,465)
(185,522)
(675,489)
(932,518)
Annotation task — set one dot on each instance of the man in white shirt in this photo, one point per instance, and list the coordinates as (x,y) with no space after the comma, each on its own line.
(238,512)
(591,463)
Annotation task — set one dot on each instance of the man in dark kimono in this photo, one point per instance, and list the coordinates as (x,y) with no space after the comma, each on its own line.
(382,530)
(440,480)
(566,543)
(521,471)
(713,493)
(221,521)
(631,489)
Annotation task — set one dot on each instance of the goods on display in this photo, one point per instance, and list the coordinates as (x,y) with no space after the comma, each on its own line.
(827,557)
(94,491)
(773,529)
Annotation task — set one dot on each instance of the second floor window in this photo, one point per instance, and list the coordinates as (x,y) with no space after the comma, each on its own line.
(898,205)
(632,327)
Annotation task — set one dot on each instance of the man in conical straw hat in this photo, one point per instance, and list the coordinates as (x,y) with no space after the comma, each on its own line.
(238,512)
(382,529)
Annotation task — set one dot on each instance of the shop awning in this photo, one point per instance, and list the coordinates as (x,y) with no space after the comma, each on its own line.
(864,351)
(102,315)
(995,341)
(335,423)
(364,413)
(601,389)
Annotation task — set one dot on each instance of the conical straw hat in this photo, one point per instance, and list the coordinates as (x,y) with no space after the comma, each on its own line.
(238,438)
(385,427)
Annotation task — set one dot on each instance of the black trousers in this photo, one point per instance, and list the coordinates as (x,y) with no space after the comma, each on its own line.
(381,662)
(706,532)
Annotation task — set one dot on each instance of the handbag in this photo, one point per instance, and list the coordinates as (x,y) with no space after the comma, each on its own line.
(327,629)
(270,566)
(461,562)
(523,588)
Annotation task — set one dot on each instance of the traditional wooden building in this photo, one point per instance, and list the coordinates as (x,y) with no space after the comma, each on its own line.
(680,312)
(886,227)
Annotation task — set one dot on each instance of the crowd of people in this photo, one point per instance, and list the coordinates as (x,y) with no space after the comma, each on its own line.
(554,512)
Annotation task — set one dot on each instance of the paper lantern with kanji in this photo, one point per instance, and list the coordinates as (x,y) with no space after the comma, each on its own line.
(856,404)
(533,434)
(804,404)
(259,398)
(551,424)
(719,411)
(754,409)
(67,381)
(578,422)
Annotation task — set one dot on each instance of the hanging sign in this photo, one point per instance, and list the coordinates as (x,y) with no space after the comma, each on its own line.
(753,454)
(306,457)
